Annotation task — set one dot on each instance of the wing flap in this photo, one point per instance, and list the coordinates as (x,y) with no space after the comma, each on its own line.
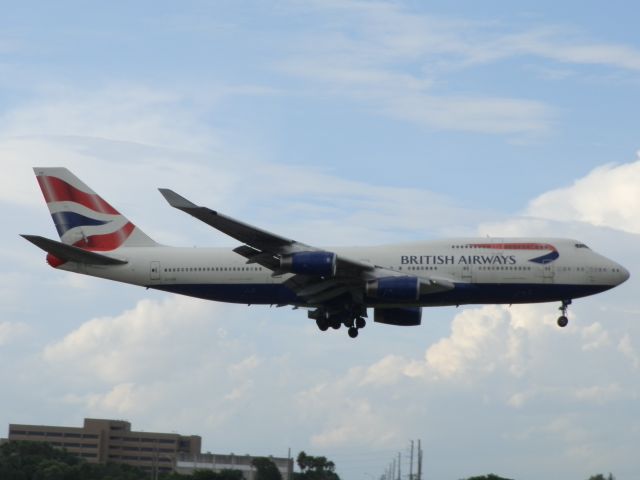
(252,255)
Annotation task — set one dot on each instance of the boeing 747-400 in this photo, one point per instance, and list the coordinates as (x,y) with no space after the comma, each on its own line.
(337,285)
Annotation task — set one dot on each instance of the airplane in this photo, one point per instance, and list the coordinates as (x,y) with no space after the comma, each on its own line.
(336,285)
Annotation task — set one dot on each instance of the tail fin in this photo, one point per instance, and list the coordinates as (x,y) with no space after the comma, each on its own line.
(83,219)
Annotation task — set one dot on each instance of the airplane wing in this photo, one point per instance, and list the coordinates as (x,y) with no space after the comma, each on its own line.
(262,245)
(268,249)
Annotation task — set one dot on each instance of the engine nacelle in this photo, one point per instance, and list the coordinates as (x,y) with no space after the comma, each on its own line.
(404,317)
(394,288)
(310,263)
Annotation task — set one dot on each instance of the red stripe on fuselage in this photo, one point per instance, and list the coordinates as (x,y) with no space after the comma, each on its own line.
(57,190)
(108,241)
(515,246)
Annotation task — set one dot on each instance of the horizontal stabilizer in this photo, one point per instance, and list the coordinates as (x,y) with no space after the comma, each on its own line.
(70,253)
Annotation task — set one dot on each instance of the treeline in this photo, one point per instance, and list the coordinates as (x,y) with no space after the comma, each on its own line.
(41,461)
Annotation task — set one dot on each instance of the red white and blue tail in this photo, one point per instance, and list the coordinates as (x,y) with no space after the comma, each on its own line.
(83,219)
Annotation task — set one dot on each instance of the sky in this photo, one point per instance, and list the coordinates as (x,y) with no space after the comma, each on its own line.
(334,123)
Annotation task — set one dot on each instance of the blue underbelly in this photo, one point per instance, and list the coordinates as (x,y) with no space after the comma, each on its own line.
(463,293)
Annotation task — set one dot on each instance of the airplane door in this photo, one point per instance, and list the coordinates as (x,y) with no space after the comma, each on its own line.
(466,273)
(154,271)
(548,273)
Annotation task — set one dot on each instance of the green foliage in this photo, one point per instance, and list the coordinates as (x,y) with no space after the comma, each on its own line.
(266,469)
(491,476)
(225,474)
(602,477)
(41,461)
(315,468)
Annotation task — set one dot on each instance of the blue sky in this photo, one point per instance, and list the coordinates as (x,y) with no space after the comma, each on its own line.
(336,123)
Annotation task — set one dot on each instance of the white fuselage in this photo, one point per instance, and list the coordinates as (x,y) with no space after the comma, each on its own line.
(484,270)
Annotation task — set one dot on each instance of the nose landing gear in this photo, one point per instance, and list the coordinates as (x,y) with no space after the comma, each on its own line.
(562,319)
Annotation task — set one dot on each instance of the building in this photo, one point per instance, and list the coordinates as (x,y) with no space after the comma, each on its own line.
(189,463)
(101,441)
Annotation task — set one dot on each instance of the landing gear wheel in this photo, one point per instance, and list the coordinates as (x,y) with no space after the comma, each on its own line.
(353,332)
(322,324)
(563,321)
(360,322)
(336,324)
(348,323)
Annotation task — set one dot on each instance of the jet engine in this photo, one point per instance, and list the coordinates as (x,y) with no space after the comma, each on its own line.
(404,317)
(310,263)
(404,288)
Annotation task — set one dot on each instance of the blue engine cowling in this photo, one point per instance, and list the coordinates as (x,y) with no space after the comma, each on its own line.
(404,317)
(394,288)
(310,263)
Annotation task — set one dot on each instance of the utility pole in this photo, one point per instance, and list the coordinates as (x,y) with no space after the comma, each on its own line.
(411,463)
(419,461)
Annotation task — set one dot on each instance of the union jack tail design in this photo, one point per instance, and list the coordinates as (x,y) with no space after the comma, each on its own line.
(83,219)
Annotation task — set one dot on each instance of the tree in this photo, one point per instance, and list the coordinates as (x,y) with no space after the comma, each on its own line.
(41,461)
(315,468)
(602,477)
(266,469)
(205,475)
(491,476)
(225,474)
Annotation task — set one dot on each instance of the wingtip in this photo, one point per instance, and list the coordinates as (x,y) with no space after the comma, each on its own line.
(28,237)
(176,200)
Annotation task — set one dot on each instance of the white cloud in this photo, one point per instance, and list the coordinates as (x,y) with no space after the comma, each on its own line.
(334,209)
(360,424)
(626,347)
(367,49)
(139,343)
(595,336)
(598,393)
(10,331)
(474,333)
(607,196)
(552,43)
(126,113)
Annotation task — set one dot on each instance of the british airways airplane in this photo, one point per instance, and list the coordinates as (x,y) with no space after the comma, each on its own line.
(336,285)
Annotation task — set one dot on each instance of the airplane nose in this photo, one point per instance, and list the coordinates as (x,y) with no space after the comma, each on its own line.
(623,274)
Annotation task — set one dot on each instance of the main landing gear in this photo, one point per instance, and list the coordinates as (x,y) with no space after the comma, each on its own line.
(355,324)
(562,319)
(353,321)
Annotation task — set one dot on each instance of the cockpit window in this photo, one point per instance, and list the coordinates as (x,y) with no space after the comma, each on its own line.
(581,245)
